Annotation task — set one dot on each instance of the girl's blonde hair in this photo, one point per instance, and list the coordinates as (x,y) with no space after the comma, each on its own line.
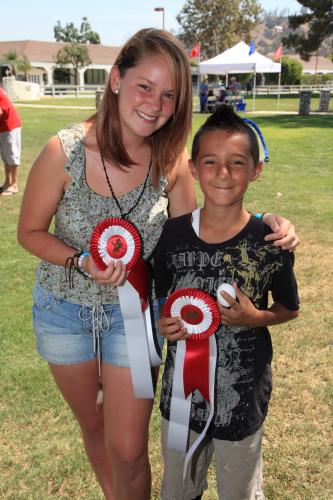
(169,141)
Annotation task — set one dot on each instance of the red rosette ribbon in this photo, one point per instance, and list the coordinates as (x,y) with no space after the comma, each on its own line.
(201,317)
(116,239)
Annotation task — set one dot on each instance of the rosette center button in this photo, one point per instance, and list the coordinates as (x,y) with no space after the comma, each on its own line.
(191,314)
(116,246)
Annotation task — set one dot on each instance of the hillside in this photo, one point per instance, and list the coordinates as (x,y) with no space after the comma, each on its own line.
(274,26)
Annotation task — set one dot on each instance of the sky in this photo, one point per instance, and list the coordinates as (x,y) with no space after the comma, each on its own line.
(114,21)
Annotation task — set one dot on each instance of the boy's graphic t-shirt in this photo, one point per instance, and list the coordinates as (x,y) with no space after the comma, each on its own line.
(243,380)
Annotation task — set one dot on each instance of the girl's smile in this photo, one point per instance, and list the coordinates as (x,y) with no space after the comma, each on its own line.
(146,97)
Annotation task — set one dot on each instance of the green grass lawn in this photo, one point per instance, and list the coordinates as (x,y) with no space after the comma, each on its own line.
(287,103)
(63,101)
(262,103)
(41,453)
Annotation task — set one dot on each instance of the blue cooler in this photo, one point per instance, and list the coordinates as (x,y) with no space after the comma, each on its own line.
(241,106)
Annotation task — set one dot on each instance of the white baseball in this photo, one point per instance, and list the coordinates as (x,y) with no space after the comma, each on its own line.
(225,287)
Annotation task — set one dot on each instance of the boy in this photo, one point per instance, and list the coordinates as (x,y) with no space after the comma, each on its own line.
(228,247)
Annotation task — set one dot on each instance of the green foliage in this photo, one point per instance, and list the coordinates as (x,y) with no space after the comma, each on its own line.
(74,55)
(291,71)
(217,24)
(316,79)
(21,64)
(318,16)
(71,34)
(271,78)
(10,58)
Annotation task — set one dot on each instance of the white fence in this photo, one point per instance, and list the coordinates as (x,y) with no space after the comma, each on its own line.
(63,90)
(292,89)
(284,89)
(90,90)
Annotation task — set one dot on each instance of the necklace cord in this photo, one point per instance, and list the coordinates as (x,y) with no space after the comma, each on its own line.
(125,215)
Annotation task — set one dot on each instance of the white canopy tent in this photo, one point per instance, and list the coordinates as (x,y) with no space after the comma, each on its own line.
(239,60)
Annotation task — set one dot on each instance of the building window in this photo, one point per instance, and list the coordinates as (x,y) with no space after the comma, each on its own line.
(95,77)
(34,78)
(61,75)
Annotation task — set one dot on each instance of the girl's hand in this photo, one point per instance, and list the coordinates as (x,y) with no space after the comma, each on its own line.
(241,312)
(115,274)
(284,234)
(172,329)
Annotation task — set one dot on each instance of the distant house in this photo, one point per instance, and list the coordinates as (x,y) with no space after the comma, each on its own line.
(315,65)
(42,57)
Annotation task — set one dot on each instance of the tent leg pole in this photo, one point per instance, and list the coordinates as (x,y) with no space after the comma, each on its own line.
(254,90)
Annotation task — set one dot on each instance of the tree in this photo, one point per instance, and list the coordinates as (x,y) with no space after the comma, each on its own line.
(71,34)
(217,24)
(74,55)
(11,58)
(311,27)
(21,64)
(291,71)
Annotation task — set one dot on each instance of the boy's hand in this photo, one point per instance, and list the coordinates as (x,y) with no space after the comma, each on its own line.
(284,234)
(241,312)
(172,329)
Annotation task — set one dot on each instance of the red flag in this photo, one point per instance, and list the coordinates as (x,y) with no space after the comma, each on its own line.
(195,52)
(278,53)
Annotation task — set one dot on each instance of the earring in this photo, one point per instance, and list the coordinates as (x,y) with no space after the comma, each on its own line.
(116,91)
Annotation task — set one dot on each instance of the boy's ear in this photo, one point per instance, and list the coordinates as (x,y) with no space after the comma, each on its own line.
(114,78)
(257,171)
(192,168)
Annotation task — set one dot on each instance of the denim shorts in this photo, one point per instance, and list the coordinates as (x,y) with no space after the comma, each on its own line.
(68,333)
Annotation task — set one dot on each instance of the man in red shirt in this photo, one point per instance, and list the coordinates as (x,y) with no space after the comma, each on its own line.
(10,144)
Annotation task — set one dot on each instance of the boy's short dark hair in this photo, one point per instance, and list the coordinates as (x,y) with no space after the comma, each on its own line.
(225,119)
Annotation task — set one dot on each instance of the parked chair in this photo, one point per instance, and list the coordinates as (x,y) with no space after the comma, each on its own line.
(211,104)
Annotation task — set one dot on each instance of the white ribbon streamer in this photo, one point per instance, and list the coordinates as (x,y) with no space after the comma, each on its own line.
(136,339)
(180,406)
(154,356)
(196,220)
(212,369)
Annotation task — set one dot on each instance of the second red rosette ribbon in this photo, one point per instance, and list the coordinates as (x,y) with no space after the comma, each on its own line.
(195,363)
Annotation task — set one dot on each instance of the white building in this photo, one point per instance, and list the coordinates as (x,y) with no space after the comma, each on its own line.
(42,57)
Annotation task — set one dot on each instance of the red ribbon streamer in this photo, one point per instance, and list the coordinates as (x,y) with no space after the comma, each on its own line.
(138,277)
(196,367)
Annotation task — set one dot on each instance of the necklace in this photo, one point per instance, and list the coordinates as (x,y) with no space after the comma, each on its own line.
(125,215)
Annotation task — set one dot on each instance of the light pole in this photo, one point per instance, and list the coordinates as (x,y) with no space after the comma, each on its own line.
(160,9)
